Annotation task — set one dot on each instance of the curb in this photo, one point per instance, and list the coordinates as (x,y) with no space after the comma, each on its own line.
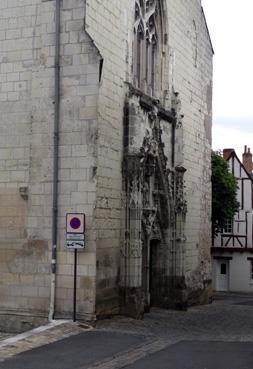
(35,331)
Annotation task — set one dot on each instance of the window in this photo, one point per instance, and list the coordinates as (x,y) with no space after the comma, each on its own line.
(223,268)
(147,36)
(251,270)
(228,228)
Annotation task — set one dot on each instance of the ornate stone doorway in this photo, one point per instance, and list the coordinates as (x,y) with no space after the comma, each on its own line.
(154,271)
(151,273)
(153,193)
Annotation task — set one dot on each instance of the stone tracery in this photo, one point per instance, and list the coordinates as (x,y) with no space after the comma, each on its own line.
(145,19)
(147,35)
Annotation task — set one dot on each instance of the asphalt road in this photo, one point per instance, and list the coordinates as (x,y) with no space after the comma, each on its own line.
(216,336)
(200,355)
(78,351)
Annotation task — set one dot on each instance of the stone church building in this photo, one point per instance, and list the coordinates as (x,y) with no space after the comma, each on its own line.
(105,109)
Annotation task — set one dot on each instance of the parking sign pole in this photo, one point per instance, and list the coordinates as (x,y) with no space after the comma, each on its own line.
(75,240)
(74,294)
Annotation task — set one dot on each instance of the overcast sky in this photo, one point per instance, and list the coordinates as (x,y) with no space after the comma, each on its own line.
(231,28)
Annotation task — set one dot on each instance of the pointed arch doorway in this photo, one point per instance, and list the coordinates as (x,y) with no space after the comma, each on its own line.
(151,273)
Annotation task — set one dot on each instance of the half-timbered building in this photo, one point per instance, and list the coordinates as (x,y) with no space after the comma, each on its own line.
(232,251)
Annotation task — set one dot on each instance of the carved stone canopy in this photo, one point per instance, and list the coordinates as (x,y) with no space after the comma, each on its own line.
(147,103)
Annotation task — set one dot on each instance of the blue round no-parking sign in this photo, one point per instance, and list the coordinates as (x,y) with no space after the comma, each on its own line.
(75,223)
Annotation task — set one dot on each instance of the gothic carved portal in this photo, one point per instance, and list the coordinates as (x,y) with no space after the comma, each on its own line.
(154,204)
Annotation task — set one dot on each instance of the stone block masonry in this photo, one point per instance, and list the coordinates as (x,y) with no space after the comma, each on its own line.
(189,57)
(96,70)
(27,114)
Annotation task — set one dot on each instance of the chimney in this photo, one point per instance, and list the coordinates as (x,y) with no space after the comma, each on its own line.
(247,160)
(227,153)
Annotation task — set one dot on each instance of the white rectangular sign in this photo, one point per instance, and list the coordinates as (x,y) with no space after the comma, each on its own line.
(75,236)
(72,244)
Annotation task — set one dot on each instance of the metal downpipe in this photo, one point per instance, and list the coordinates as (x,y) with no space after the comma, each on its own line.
(55,159)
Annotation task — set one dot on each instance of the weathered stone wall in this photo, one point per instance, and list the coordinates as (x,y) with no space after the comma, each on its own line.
(78,155)
(110,25)
(189,54)
(26,154)
(191,76)
(96,62)
(23,279)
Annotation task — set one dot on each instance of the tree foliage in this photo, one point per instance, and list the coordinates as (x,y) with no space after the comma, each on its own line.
(224,194)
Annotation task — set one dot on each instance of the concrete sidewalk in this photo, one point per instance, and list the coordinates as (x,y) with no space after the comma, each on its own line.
(40,336)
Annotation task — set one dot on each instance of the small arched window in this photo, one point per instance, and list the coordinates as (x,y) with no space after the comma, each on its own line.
(147,44)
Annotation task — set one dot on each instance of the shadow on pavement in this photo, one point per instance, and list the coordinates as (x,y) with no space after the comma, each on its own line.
(74,352)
